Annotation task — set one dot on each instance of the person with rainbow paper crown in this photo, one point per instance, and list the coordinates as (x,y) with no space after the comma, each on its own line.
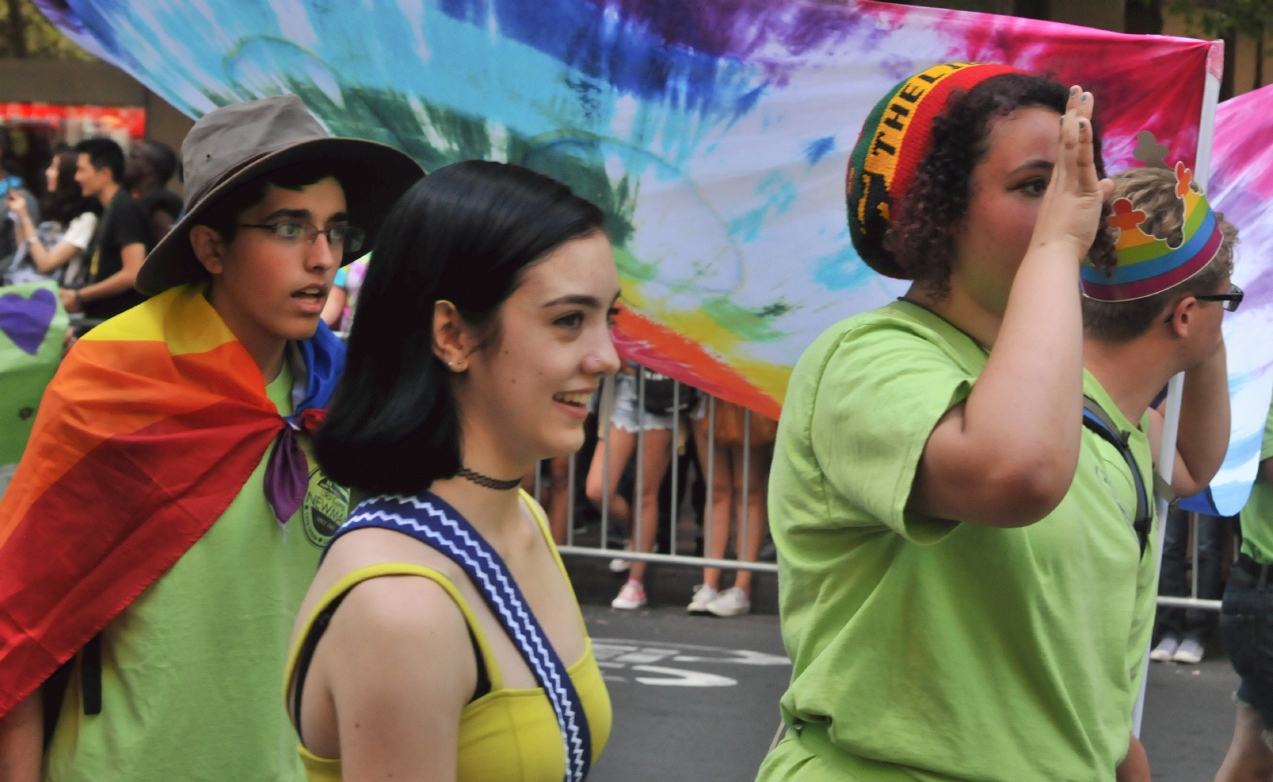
(166,519)
(961,589)
(1165,218)
(1157,313)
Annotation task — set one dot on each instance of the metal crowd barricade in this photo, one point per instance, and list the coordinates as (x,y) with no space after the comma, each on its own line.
(706,461)
(1193,601)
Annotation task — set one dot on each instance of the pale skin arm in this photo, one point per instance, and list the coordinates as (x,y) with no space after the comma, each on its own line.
(1007,455)
(132,256)
(1135,767)
(46,260)
(22,741)
(403,671)
(1203,438)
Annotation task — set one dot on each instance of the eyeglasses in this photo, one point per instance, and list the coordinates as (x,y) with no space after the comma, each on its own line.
(1231,300)
(292,233)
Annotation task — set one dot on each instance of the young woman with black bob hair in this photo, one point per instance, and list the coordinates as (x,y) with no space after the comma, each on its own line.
(964,596)
(458,651)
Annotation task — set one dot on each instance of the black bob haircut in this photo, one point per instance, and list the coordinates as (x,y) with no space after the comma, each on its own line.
(465,233)
(103,153)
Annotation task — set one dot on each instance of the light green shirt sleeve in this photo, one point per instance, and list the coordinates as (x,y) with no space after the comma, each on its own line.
(1266,448)
(882,391)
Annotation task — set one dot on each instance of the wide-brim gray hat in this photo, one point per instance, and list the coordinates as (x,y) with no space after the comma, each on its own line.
(237,143)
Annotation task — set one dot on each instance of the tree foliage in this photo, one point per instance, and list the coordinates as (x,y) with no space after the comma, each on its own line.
(25,33)
(1221,18)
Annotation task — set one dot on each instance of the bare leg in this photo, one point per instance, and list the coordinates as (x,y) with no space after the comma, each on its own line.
(1249,758)
(722,506)
(757,511)
(658,455)
(621,445)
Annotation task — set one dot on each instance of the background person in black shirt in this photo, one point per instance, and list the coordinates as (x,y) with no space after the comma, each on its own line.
(123,236)
(149,166)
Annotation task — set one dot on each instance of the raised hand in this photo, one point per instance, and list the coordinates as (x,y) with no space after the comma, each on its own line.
(1071,209)
(17,202)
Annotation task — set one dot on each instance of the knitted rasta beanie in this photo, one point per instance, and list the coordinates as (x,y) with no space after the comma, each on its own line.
(895,138)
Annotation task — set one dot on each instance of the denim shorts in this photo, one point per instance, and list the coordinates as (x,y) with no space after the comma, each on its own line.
(1246,624)
(628,415)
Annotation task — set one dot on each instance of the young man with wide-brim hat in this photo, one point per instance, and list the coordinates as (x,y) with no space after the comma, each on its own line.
(167,518)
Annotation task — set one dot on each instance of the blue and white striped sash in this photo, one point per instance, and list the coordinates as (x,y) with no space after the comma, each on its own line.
(432,521)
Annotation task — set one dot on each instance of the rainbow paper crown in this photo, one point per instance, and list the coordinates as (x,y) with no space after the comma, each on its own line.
(1146,264)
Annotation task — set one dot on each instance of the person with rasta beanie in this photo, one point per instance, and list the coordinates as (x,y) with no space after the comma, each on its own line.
(962,594)
(165,520)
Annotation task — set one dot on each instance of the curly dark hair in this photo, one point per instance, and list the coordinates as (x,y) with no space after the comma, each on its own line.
(922,234)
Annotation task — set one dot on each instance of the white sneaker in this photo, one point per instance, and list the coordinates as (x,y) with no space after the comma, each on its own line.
(703,594)
(621,565)
(1165,650)
(631,597)
(1190,652)
(731,602)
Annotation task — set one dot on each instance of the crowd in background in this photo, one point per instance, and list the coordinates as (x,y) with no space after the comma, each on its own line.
(51,228)
(54,235)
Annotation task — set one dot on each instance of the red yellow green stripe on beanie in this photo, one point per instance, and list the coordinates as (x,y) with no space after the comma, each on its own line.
(1148,265)
(895,138)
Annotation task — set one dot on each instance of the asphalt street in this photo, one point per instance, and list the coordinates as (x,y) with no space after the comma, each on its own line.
(695,698)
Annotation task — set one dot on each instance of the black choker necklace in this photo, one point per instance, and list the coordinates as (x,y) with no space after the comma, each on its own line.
(486,481)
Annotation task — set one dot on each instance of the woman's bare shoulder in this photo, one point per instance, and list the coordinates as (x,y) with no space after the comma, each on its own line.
(406,627)
(368,547)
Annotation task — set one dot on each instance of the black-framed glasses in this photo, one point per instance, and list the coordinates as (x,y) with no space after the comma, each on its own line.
(1230,300)
(341,238)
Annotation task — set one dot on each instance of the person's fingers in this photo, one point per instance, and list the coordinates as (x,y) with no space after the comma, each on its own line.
(1107,189)
(1072,102)
(1084,105)
(1084,160)
(1067,149)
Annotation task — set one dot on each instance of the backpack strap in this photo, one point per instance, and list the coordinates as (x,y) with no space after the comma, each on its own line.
(1097,420)
(432,521)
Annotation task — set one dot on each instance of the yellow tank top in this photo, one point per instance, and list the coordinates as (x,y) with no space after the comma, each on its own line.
(507,734)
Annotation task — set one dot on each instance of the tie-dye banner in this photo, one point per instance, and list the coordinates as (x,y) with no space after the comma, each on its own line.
(1241,187)
(715,134)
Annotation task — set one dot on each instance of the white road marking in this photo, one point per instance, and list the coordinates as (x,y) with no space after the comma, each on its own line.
(682,678)
(617,654)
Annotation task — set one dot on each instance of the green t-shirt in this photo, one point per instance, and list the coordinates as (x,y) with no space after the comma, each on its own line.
(930,650)
(1257,514)
(192,670)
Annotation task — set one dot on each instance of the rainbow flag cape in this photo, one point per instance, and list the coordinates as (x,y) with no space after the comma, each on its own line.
(148,431)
